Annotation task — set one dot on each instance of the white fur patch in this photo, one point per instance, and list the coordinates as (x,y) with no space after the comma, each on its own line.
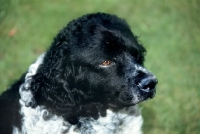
(114,123)
(140,68)
(119,123)
(25,93)
(126,121)
(33,121)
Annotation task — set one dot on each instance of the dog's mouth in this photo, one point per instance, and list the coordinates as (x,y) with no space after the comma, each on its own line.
(131,100)
(144,90)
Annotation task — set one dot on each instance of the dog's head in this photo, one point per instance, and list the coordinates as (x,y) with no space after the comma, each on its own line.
(96,59)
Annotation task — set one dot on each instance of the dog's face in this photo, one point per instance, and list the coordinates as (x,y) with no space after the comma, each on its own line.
(101,62)
(112,71)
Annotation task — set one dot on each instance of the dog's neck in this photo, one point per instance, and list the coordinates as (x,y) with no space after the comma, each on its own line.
(125,121)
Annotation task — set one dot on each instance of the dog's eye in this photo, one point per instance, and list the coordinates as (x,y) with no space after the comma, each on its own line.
(106,63)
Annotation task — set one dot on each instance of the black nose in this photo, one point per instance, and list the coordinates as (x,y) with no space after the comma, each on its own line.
(148,84)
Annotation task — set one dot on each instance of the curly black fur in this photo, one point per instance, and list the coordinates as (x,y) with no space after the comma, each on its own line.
(70,83)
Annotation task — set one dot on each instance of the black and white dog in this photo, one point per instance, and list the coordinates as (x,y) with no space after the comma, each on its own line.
(89,81)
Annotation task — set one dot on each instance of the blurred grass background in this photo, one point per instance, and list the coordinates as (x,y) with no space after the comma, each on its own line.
(168,29)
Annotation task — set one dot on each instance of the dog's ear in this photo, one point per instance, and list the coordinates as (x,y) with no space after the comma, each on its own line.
(50,80)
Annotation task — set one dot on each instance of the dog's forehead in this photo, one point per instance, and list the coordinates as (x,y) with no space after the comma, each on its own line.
(110,45)
(116,42)
(103,37)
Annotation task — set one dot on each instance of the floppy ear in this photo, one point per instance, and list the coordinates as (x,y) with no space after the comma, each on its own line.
(49,85)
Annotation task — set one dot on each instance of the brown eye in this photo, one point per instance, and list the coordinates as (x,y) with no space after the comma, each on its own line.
(106,63)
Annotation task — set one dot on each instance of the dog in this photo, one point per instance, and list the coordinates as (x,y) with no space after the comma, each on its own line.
(89,81)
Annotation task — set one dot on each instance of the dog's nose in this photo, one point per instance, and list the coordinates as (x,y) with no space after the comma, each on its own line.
(148,84)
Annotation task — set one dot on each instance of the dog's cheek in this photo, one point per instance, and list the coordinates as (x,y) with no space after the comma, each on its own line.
(126,96)
(130,96)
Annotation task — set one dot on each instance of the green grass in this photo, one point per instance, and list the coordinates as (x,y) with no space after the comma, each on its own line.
(169,30)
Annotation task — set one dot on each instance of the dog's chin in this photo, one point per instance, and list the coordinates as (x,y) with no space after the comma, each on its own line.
(118,106)
(142,96)
(121,104)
